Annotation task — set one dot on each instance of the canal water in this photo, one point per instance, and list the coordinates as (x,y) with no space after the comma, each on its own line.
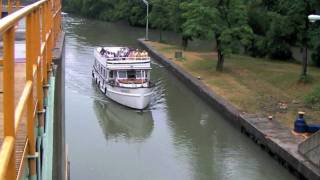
(178,137)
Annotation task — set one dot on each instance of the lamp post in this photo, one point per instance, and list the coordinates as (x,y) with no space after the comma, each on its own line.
(313,18)
(147,24)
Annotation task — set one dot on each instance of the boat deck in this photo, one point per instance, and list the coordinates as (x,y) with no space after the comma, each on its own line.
(22,132)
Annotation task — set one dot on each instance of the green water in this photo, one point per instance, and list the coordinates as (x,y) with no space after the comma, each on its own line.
(178,137)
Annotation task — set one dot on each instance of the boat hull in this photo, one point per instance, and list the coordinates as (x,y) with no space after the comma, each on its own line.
(137,98)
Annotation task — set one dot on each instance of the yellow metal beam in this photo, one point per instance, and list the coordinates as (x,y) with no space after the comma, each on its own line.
(0,8)
(10,5)
(5,160)
(13,19)
(18,4)
(8,98)
(30,62)
(21,104)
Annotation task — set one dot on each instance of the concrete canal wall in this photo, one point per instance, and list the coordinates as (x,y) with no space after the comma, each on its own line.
(59,148)
(269,134)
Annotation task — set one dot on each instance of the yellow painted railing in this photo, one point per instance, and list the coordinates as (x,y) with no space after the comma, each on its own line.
(42,28)
(9,10)
(9,7)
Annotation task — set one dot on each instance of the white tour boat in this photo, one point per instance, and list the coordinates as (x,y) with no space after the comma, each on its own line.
(123,75)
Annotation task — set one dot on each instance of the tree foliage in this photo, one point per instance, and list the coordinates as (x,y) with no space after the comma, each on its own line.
(160,15)
(256,27)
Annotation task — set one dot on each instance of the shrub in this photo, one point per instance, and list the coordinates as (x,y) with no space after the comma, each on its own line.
(258,47)
(279,50)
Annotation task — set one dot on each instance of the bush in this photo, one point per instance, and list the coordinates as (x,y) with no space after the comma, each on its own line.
(313,99)
(258,47)
(278,50)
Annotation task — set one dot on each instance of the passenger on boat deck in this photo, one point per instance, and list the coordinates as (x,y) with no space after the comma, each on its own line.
(136,53)
(102,51)
(109,54)
(127,54)
(144,53)
(121,54)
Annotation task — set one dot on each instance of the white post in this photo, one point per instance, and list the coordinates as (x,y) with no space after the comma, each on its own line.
(147,28)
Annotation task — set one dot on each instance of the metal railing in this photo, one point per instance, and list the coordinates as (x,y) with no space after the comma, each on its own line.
(42,28)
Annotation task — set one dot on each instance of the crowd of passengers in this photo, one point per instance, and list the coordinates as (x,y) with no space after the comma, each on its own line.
(124,53)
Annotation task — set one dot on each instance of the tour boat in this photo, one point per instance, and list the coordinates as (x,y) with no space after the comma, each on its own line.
(123,75)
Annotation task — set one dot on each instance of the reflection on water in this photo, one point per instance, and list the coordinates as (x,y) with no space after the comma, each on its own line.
(118,121)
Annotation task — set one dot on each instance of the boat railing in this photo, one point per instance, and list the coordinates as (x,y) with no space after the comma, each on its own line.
(127,58)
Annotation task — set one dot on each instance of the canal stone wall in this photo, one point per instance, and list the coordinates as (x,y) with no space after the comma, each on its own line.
(270,135)
(59,149)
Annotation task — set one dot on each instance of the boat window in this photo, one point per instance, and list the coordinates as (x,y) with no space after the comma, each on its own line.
(111,74)
(139,74)
(131,74)
(122,74)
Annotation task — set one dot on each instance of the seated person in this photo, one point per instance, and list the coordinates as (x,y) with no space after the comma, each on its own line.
(301,126)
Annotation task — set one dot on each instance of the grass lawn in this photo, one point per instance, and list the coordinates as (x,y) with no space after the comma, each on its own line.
(255,86)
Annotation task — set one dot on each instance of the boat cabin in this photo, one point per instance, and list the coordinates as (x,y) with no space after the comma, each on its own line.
(123,71)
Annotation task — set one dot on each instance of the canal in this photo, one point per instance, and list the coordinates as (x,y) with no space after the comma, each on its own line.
(178,137)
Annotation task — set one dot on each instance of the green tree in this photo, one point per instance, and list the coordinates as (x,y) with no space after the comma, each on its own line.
(224,20)
(160,15)
(198,21)
(298,11)
(289,27)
